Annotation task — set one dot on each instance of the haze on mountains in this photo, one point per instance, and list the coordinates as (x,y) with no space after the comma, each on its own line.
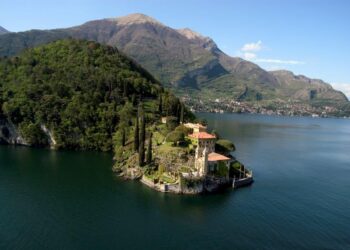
(185,61)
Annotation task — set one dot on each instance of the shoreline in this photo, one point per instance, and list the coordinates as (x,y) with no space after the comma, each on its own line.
(207,185)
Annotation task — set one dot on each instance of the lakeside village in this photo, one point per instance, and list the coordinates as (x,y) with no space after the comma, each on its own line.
(291,108)
(181,158)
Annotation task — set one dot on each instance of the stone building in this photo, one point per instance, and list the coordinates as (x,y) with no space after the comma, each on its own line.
(206,160)
(196,127)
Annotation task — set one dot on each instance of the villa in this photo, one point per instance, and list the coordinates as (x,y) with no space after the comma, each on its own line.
(196,167)
(207,161)
(196,127)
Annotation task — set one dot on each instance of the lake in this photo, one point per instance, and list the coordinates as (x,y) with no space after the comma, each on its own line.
(300,198)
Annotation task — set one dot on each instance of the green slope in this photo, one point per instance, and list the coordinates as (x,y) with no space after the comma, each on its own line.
(181,59)
(80,91)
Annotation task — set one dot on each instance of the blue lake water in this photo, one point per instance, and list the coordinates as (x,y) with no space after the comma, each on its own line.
(300,198)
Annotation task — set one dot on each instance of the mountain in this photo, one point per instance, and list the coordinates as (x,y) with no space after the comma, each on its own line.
(74,94)
(3,30)
(303,88)
(188,62)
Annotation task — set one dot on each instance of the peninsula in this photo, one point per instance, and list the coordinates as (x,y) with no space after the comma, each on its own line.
(181,157)
(81,95)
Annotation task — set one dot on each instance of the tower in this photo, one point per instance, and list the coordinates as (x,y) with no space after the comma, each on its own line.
(201,161)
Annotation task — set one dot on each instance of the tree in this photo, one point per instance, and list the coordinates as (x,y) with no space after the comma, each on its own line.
(215,132)
(149,150)
(133,100)
(33,134)
(136,134)
(224,146)
(171,123)
(160,105)
(182,114)
(78,90)
(142,124)
(175,137)
(125,116)
(142,136)
(141,153)
(183,129)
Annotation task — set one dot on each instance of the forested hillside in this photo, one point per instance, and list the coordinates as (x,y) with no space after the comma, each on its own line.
(76,94)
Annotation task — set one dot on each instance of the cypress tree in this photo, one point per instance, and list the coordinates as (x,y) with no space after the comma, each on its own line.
(133,100)
(142,125)
(136,134)
(149,150)
(141,153)
(142,136)
(182,114)
(160,107)
(178,108)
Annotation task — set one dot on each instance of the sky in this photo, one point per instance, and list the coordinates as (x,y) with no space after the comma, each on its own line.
(309,37)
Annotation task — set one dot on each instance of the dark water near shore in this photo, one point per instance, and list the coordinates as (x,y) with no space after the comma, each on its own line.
(300,199)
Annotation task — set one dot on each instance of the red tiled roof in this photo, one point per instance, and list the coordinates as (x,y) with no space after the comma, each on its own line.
(202,135)
(217,157)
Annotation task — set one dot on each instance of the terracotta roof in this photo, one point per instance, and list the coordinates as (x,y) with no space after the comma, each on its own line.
(202,135)
(217,157)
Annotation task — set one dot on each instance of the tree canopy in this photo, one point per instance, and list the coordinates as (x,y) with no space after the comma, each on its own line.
(80,90)
(224,146)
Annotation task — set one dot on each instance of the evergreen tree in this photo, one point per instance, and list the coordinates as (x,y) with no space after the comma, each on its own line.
(136,134)
(160,107)
(142,125)
(142,136)
(149,150)
(182,114)
(178,108)
(133,100)
(141,153)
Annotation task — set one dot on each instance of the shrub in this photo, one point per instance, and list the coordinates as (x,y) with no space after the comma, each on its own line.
(175,137)
(224,146)
(171,123)
(183,129)
(33,134)
(161,169)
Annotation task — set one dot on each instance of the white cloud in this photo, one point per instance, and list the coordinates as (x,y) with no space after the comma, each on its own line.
(343,87)
(249,56)
(252,46)
(250,52)
(274,67)
(278,61)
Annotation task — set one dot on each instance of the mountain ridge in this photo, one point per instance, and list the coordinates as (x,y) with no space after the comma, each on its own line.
(3,30)
(181,59)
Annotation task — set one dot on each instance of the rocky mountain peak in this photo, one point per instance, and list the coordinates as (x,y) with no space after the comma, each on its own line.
(203,41)
(190,34)
(136,18)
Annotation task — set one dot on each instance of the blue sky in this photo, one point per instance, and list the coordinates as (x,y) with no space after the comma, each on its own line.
(309,37)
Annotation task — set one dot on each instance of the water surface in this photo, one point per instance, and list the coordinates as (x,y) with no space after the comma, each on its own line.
(300,199)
